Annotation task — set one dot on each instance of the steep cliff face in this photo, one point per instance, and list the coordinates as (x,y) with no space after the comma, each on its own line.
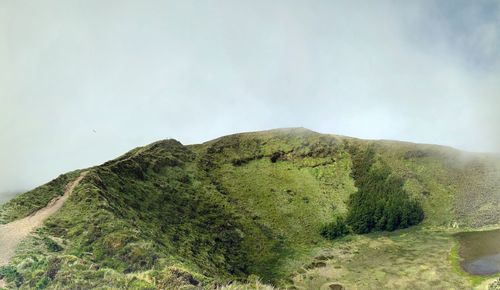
(251,203)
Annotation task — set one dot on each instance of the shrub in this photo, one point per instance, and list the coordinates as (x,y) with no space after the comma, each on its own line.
(335,229)
(42,283)
(175,277)
(276,156)
(51,245)
(10,274)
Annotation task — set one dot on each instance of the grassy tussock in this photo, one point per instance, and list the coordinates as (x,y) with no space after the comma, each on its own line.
(167,215)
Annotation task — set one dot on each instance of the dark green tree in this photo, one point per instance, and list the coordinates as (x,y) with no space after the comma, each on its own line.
(335,229)
(381,203)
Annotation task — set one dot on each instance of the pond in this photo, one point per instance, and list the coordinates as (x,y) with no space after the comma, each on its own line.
(480,252)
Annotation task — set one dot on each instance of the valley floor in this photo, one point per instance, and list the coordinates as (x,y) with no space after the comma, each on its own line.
(408,259)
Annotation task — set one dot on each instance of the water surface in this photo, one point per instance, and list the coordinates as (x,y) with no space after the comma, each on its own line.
(480,252)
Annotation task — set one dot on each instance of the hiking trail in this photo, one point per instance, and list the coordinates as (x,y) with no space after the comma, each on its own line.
(13,233)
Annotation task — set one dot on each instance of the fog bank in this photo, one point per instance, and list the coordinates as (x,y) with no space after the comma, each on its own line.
(84,81)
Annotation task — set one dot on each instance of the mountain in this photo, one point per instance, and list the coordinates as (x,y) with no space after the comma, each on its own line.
(5,196)
(236,208)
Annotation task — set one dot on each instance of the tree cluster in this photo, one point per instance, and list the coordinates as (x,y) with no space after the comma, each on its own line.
(380,204)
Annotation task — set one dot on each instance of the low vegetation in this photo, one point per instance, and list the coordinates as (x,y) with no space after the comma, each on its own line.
(241,211)
(381,203)
(31,201)
(336,229)
(412,258)
(495,285)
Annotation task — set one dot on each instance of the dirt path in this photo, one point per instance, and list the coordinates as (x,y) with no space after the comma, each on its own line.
(13,233)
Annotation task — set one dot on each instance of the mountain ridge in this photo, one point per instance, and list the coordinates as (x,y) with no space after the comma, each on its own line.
(244,204)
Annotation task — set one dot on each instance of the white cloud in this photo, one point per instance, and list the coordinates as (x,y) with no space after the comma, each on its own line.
(138,71)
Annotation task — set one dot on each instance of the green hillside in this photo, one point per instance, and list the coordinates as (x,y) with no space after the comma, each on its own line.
(253,204)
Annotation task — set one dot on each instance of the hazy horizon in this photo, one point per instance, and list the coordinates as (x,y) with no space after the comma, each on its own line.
(83,82)
(8,194)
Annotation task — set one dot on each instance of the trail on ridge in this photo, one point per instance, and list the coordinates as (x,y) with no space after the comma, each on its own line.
(13,233)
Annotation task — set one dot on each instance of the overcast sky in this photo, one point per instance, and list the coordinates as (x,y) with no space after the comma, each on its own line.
(84,81)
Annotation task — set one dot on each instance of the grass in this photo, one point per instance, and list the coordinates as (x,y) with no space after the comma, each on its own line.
(405,259)
(415,258)
(31,201)
(247,208)
(455,260)
(285,201)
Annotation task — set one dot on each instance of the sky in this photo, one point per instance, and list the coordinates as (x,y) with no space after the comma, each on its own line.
(82,82)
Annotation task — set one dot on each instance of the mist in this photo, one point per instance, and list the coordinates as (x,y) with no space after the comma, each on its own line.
(82,82)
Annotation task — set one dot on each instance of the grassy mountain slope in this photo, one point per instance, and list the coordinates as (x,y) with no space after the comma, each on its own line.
(166,214)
